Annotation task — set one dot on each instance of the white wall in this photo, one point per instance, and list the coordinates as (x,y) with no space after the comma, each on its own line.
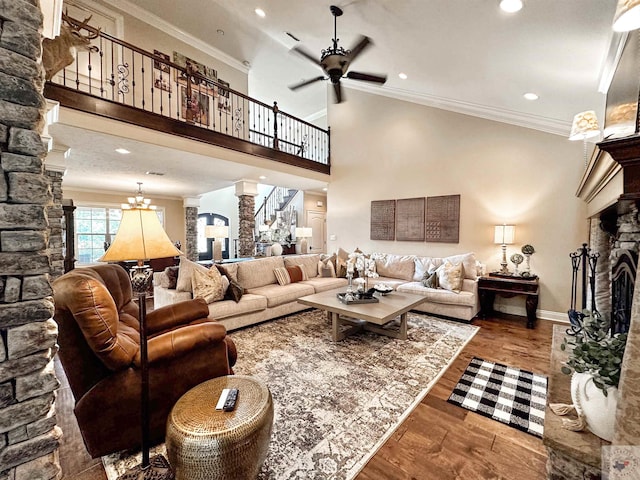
(383,148)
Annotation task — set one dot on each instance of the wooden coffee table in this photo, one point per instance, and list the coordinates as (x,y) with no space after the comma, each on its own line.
(365,316)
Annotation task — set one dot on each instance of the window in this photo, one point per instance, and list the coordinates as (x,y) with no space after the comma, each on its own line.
(96,227)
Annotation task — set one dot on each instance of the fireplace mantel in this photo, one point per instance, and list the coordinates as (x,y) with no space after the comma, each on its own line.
(626,151)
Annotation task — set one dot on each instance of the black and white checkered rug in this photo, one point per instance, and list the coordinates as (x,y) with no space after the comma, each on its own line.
(510,395)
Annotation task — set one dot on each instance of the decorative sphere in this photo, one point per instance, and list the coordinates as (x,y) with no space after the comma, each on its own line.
(517,259)
(276,249)
(528,249)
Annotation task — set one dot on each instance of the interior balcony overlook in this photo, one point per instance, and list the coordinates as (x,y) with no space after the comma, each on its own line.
(116,80)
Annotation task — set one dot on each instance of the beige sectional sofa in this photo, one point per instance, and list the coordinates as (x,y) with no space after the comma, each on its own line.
(264,298)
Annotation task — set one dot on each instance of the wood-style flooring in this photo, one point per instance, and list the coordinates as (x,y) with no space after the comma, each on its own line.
(437,441)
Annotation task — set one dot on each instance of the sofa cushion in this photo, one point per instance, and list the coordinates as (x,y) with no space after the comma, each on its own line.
(308,262)
(234,292)
(468,261)
(395,266)
(185,272)
(169,278)
(281,294)
(259,272)
(326,269)
(209,285)
(430,279)
(321,284)
(228,308)
(422,265)
(287,275)
(439,295)
(450,276)
(230,270)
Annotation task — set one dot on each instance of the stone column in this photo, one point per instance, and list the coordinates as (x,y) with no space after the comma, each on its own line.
(29,436)
(55,216)
(191,228)
(246,191)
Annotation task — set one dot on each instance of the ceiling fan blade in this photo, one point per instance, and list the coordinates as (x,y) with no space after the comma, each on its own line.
(304,83)
(305,54)
(337,88)
(367,77)
(359,47)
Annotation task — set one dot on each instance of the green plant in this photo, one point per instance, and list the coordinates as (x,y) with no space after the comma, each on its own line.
(594,351)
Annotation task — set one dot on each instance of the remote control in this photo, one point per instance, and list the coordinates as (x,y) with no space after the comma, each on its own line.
(230,403)
(222,399)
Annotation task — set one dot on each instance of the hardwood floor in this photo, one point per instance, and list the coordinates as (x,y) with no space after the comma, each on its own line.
(437,441)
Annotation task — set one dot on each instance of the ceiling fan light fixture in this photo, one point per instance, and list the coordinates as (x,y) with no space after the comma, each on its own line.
(511,6)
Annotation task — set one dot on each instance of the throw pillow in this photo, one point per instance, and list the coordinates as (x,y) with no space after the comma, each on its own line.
(450,276)
(287,275)
(208,285)
(234,292)
(185,272)
(326,268)
(282,276)
(430,279)
(171,273)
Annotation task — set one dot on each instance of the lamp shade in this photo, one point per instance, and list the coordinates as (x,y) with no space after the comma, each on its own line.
(627,16)
(585,125)
(304,232)
(140,237)
(504,234)
(216,231)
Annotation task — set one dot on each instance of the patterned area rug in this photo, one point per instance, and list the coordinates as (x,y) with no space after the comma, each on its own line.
(510,395)
(335,403)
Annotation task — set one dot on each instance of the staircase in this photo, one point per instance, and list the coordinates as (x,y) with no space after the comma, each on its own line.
(277,200)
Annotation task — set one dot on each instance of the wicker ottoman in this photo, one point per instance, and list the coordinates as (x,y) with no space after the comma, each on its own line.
(204,444)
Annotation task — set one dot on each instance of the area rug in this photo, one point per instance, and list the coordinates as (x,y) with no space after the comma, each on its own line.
(510,395)
(335,403)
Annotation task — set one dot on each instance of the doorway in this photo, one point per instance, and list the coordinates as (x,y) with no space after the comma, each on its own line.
(318,222)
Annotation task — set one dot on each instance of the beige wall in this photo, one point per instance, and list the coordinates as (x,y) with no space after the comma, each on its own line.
(388,149)
(173,208)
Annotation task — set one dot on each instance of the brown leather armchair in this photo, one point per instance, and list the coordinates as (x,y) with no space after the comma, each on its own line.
(100,353)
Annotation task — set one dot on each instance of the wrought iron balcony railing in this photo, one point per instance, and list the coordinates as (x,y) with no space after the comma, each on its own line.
(125,74)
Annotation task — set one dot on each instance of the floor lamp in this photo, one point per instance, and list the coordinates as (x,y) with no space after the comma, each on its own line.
(141,237)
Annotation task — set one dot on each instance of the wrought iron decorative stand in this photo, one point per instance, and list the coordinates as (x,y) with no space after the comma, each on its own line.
(580,261)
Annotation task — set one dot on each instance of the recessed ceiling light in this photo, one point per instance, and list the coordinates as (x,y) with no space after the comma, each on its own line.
(325,189)
(220,31)
(403,76)
(531,96)
(260,12)
(262,177)
(511,6)
(122,151)
(151,172)
(246,63)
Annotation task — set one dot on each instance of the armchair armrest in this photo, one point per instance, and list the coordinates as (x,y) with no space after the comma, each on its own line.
(170,316)
(175,343)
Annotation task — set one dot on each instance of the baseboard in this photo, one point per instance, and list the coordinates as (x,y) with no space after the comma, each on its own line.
(540,314)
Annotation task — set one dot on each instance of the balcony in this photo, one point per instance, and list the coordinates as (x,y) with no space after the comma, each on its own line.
(120,81)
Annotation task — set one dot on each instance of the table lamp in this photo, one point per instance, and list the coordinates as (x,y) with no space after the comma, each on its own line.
(218,233)
(141,237)
(504,235)
(303,233)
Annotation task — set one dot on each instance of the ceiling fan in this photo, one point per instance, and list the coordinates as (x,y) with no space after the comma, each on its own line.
(335,60)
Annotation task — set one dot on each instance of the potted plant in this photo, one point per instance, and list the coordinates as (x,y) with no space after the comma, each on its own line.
(595,361)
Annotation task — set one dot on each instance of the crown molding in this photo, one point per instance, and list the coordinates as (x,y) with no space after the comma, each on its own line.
(536,122)
(157,22)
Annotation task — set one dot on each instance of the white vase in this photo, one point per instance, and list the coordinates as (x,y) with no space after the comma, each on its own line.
(276,249)
(599,411)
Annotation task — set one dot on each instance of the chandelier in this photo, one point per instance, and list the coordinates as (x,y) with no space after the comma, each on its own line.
(138,201)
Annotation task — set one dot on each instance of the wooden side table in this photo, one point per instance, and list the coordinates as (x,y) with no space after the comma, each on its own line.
(489,286)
